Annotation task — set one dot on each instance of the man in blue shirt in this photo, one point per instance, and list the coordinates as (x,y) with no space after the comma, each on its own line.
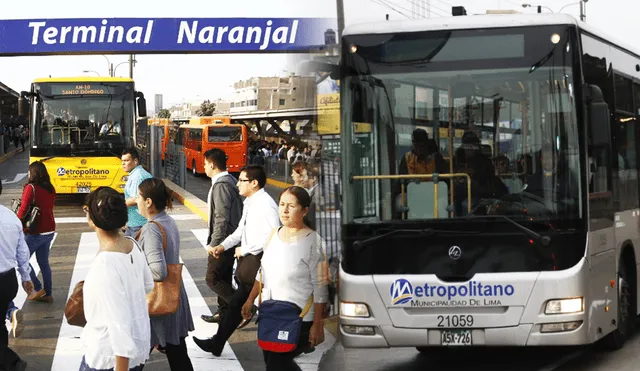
(131,164)
(14,252)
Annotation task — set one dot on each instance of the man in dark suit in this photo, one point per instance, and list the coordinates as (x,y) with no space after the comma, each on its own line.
(225,211)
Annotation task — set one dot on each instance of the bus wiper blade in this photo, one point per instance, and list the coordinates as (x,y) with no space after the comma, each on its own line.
(368,241)
(424,232)
(544,240)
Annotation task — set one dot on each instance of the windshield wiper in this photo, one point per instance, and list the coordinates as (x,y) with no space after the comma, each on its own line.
(90,151)
(424,232)
(544,240)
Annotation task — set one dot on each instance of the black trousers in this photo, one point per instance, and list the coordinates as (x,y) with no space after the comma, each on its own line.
(8,291)
(284,361)
(178,356)
(219,277)
(246,276)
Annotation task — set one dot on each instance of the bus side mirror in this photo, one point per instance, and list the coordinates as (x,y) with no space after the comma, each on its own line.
(23,104)
(142,105)
(598,117)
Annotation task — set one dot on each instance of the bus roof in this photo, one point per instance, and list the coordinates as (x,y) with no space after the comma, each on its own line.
(460,23)
(84,79)
(483,21)
(200,126)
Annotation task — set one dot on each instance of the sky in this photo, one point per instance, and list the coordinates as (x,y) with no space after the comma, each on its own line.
(177,77)
(197,77)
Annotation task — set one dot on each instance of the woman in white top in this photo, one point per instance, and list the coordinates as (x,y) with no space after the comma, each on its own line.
(117,333)
(293,268)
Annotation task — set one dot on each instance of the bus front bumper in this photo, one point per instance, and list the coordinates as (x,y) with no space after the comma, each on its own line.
(522,335)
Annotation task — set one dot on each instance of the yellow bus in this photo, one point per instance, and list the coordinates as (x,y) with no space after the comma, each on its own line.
(79,127)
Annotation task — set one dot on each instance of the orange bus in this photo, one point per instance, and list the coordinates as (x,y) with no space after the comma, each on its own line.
(207,120)
(198,138)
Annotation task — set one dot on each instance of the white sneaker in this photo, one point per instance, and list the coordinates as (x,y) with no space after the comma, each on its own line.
(16,323)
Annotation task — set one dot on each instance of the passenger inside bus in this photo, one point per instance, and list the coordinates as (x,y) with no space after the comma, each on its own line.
(553,178)
(471,160)
(424,157)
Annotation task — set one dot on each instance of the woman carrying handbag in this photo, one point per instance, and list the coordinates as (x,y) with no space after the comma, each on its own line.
(114,296)
(291,285)
(169,309)
(35,210)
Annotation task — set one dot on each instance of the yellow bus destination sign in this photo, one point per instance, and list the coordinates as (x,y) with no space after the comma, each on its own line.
(79,89)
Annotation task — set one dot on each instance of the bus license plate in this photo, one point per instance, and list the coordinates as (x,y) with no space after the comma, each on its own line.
(456,337)
(84,189)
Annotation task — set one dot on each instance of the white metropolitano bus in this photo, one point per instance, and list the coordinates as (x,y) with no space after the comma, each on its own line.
(524,230)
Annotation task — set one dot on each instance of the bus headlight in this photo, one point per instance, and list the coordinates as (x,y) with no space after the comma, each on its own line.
(562,306)
(354,310)
(125,178)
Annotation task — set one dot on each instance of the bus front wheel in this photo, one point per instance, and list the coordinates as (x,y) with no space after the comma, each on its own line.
(193,168)
(626,308)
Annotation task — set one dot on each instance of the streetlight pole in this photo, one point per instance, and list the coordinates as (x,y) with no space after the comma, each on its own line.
(131,62)
(340,6)
(583,9)
(87,71)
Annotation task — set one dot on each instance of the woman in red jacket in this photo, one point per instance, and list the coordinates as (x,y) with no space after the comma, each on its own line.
(39,241)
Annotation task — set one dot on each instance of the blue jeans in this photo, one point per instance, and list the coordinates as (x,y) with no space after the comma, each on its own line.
(39,244)
(12,308)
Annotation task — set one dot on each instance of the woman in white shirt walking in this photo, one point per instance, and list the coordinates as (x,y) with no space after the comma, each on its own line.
(117,333)
(293,269)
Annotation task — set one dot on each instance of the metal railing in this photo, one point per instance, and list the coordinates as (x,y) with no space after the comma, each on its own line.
(432,177)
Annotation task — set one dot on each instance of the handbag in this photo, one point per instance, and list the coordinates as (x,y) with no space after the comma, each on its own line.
(30,218)
(165,297)
(74,309)
(279,321)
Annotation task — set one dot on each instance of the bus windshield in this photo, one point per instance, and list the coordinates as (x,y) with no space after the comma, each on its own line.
(496,107)
(225,134)
(70,117)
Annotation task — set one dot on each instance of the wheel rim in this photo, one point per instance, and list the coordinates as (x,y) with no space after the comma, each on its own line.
(624,307)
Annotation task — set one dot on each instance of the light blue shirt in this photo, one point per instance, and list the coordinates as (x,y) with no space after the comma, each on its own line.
(14,251)
(136,176)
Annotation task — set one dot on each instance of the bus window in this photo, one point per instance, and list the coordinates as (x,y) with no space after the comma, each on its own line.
(225,134)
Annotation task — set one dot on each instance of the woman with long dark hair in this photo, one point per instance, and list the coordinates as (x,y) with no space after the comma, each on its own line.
(40,190)
(160,241)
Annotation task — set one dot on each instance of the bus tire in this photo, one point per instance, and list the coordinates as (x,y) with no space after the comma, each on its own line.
(626,307)
(193,168)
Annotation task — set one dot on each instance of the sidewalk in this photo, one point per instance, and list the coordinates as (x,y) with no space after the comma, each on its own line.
(8,155)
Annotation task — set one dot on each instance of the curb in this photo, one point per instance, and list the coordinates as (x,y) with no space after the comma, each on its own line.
(193,203)
(279,184)
(8,155)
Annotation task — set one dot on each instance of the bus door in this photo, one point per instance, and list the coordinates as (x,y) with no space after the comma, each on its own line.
(193,150)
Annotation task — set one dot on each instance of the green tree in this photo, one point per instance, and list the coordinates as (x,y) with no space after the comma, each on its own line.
(207,108)
(164,114)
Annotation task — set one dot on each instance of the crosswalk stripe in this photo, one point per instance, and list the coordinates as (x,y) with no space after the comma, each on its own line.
(69,349)
(200,359)
(307,362)
(21,296)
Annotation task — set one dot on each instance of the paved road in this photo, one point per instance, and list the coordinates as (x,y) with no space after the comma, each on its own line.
(49,343)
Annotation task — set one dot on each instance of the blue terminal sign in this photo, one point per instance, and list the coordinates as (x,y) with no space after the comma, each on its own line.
(161,35)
